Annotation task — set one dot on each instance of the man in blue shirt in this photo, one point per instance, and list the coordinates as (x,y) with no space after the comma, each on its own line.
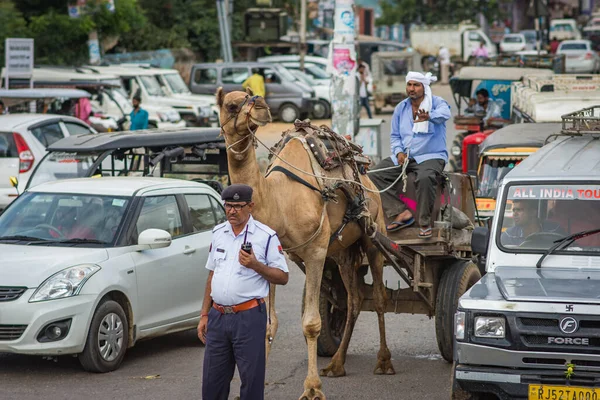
(419,133)
(139,117)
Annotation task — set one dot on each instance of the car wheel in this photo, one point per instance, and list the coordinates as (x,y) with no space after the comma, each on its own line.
(321,110)
(107,340)
(289,113)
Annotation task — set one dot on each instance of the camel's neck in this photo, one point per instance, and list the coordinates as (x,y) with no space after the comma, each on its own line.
(245,170)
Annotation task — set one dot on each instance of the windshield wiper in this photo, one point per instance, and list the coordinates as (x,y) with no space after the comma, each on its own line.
(73,241)
(564,242)
(22,237)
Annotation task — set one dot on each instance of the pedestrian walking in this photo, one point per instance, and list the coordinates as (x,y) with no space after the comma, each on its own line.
(245,256)
(363,93)
(139,116)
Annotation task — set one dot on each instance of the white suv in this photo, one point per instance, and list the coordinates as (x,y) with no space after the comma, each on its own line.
(23,142)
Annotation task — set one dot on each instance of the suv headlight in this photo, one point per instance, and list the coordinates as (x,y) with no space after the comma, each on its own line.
(307,95)
(65,283)
(459,325)
(490,327)
(174,116)
(455,150)
(204,112)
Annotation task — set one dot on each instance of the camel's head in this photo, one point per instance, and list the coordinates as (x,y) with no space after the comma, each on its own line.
(241,112)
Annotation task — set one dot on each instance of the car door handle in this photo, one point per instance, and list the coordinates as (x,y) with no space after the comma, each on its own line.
(189,250)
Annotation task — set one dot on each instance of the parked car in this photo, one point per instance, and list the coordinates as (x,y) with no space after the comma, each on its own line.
(320,62)
(122,261)
(322,108)
(287,98)
(580,56)
(513,42)
(23,142)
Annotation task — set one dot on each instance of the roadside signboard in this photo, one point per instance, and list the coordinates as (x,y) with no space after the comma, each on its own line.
(19,58)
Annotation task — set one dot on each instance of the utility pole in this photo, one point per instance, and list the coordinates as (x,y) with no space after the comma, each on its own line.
(224,32)
(302,33)
(343,65)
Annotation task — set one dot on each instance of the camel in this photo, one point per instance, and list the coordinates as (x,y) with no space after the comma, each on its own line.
(295,212)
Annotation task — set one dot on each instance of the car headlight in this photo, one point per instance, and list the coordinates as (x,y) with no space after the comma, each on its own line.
(490,327)
(65,283)
(307,95)
(459,325)
(174,116)
(455,150)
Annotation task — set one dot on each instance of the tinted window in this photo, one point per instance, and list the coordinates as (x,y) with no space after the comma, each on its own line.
(7,146)
(77,129)
(513,39)
(48,134)
(234,75)
(205,76)
(160,212)
(201,212)
(573,46)
(219,211)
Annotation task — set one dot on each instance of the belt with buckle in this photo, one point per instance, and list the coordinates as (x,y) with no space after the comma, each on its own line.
(245,306)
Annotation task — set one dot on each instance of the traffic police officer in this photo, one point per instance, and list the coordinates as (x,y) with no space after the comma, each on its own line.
(245,256)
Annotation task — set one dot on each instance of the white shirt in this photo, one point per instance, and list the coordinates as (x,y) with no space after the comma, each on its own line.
(444,55)
(232,283)
(362,91)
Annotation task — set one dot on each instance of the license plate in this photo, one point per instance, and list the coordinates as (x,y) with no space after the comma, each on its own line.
(545,392)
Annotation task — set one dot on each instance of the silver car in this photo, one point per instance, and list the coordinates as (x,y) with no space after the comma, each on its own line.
(580,56)
(90,266)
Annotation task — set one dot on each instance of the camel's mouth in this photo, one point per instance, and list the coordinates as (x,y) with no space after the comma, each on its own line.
(259,122)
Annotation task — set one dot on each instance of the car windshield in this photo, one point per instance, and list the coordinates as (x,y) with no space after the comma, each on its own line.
(61,165)
(304,77)
(561,28)
(152,86)
(534,216)
(286,75)
(573,46)
(396,67)
(513,39)
(176,83)
(52,218)
(317,72)
(121,98)
(493,169)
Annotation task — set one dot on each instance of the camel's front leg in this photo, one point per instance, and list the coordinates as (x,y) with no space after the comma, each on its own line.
(384,357)
(354,302)
(311,325)
(272,322)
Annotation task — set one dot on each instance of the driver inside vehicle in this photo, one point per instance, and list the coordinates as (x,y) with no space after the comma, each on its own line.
(70,225)
(526,223)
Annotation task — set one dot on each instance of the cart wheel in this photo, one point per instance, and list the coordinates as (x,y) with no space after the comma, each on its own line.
(455,281)
(333,319)
(455,161)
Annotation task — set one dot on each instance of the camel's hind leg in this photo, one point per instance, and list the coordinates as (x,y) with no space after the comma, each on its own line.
(348,267)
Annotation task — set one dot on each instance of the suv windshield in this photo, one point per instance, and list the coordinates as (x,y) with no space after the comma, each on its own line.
(152,86)
(78,219)
(493,169)
(535,216)
(176,83)
(61,165)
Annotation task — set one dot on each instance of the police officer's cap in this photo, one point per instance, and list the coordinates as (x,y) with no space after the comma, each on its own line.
(237,192)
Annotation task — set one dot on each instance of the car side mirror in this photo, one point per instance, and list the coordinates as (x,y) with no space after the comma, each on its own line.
(153,239)
(479,240)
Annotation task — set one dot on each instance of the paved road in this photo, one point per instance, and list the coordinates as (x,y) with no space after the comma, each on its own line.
(171,367)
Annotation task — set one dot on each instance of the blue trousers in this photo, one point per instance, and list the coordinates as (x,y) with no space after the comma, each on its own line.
(364,102)
(235,339)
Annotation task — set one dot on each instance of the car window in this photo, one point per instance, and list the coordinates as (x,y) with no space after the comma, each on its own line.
(573,46)
(77,129)
(561,27)
(234,75)
(48,134)
(475,37)
(201,212)
(206,76)
(513,39)
(219,211)
(8,148)
(160,212)
(271,76)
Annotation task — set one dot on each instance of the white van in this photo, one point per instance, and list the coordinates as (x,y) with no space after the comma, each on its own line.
(564,29)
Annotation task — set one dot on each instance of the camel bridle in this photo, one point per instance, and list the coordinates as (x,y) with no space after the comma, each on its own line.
(250,134)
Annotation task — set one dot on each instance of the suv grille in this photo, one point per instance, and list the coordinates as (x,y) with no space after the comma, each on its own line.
(11,293)
(534,333)
(11,332)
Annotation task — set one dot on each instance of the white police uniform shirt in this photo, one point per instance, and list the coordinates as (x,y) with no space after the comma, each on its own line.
(232,283)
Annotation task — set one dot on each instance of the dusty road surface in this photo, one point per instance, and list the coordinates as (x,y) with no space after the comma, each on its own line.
(171,367)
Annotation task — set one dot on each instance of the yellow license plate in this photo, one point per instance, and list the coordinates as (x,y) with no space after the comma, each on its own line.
(545,392)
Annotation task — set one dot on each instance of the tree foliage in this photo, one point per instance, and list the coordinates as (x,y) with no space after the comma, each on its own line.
(12,24)
(435,11)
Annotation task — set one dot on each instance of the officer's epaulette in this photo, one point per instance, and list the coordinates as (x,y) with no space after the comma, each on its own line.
(265,228)
(220,226)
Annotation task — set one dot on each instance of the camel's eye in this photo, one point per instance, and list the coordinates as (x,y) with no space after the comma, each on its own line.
(232,107)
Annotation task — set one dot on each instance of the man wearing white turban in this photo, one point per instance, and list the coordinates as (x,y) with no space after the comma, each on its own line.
(419,133)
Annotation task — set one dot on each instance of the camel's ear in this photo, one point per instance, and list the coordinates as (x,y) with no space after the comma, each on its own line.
(249,91)
(220,96)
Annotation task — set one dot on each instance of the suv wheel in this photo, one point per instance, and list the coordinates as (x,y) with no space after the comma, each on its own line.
(321,110)
(107,340)
(289,113)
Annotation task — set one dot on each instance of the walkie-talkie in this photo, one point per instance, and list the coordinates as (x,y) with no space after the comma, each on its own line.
(247,246)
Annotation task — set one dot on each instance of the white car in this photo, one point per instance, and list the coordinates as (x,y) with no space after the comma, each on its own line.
(23,142)
(90,266)
(322,108)
(580,56)
(513,42)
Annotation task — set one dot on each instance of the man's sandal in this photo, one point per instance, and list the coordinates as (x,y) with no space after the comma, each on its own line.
(425,232)
(397,225)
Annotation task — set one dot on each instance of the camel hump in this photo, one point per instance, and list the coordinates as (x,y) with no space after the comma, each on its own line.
(220,226)
(265,228)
